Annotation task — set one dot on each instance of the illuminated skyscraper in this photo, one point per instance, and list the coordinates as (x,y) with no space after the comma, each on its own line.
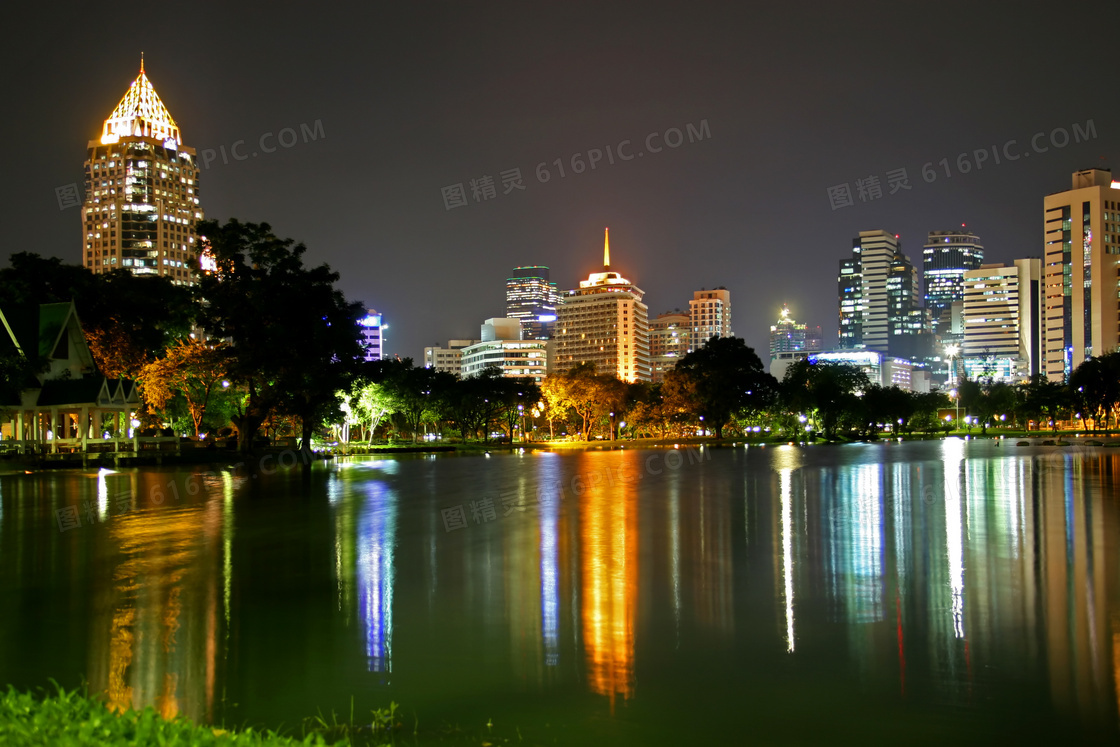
(878,294)
(372,335)
(1082,235)
(531,298)
(141,204)
(669,336)
(710,312)
(604,322)
(946,257)
(1002,321)
(787,336)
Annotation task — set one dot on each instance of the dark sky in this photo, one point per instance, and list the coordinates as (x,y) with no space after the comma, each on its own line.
(414,97)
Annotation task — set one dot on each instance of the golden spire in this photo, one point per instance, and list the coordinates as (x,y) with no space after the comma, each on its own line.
(140,113)
(606,248)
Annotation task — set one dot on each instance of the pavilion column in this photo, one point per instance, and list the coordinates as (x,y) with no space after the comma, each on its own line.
(84,426)
(54,430)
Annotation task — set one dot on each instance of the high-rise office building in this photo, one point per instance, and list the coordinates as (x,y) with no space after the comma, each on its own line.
(1080,280)
(850,287)
(710,315)
(448,359)
(791,341)
(532,298)
(669,336)
(372,336)
(878,295)
(1003,309)
(502,346)
(946,257)
(604,322)
(141,204)
(788,335)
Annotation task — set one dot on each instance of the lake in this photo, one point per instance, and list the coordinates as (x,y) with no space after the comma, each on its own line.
(938,590)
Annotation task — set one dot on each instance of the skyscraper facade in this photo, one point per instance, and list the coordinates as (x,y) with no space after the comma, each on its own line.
(604,322)
(502,346)
(1003,309)
(850,287)
(669,336)
(878,250)
(946,257)
(532,298)
(1080,272)
(788,335)
(710,314)
(448,359)
(141,205)
(372,337)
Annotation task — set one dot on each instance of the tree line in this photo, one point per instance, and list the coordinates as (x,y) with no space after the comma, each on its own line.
(265,342)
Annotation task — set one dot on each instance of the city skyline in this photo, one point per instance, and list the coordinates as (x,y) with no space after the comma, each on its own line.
(738,142)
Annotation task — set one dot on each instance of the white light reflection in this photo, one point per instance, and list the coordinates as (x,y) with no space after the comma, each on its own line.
(784,477)
(550,581)
(953,455)
(377,531)
(102,497)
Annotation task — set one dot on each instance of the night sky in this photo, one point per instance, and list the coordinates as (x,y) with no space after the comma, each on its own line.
(415,97)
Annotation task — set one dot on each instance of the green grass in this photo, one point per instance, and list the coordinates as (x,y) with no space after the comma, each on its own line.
(70,718)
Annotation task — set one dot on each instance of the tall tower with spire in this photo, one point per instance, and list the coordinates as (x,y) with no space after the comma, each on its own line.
(141,207)
(604,322)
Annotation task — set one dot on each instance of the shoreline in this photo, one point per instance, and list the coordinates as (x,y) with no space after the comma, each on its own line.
(18,464)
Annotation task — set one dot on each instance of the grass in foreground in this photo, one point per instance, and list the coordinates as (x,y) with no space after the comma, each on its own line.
(71,718)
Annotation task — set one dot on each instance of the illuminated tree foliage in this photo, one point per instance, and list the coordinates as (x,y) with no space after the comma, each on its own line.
(190,367)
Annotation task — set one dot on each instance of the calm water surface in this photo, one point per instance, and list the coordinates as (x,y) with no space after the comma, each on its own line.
(930,591)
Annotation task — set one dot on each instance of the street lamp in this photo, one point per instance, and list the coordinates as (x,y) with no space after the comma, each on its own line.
(957,397)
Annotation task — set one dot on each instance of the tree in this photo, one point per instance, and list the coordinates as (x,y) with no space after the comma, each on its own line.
(191,367)
(830,390)
(128,319)
(293,335)
(723,376)
(1047,400)
(1095,387)
(411,388)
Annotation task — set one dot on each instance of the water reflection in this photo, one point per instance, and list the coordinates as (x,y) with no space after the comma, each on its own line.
(155,624)
(938,578)
(609,548)
(377,528)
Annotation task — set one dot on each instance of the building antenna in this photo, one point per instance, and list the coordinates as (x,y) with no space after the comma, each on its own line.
(606,249)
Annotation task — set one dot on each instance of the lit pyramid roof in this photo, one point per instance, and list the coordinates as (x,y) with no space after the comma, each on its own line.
(140,113)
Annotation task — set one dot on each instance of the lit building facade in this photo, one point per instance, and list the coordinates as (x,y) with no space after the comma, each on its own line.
(1003,309)
(881,369)
(141,207)
(878,294)
(447,359)
(604,322)
(791,341)
(946,257)
(850,287)
(710,314)
(372,335)
(532,298)
(1080,272)
(669,336)
(788,335)
(502,347)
